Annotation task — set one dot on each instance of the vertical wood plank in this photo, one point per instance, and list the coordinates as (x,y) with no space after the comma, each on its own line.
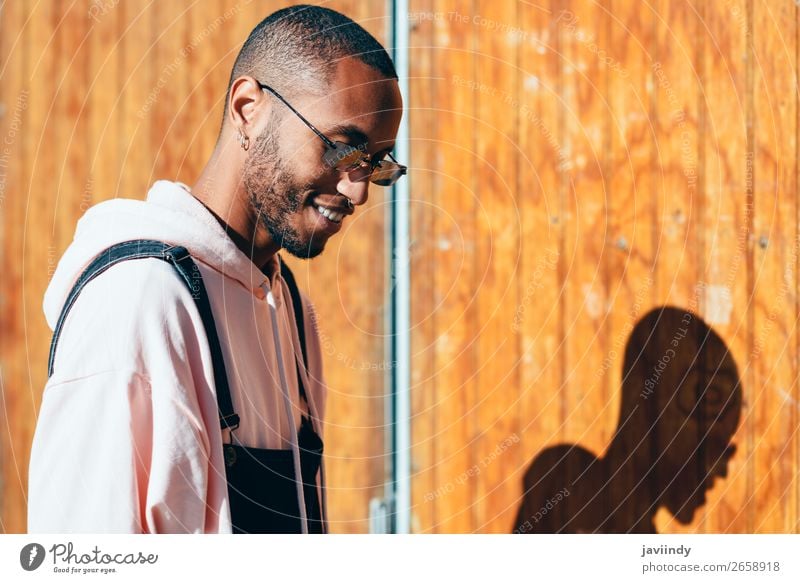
(630,241)
(71,123)
(538,315)
(498,257)
(774,357)
(139,100)
(173,45)
(678,122)
(455,278)
(726,229)
(16,416)
(105,106)
(796,392)
(209,73)
(582,26)
(422,113)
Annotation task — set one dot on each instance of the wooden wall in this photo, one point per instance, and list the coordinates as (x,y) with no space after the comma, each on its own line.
(575,164)
(102,98)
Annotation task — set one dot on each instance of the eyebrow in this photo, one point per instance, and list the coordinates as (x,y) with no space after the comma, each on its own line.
(353,133)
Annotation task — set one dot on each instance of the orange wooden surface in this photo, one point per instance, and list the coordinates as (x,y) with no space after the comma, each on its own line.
(655,146)
(574,165)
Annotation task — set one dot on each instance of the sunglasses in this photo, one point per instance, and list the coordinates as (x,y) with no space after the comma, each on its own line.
(347,158)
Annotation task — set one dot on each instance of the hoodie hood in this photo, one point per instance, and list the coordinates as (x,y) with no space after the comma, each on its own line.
(170,214)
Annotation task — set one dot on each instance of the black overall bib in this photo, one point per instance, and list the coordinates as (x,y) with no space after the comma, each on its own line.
(262,485)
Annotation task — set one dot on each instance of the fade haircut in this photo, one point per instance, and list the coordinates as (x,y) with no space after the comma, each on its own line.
(297,48)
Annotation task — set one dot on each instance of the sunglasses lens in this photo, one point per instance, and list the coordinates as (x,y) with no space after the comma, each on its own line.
(342,157)
(387,174)
(346,158)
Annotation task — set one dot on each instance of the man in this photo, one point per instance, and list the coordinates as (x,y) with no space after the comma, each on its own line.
(186,392)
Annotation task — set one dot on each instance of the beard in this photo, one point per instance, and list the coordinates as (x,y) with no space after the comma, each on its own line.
(277,195)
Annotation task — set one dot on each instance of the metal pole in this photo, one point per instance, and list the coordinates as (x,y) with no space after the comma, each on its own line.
(401,290)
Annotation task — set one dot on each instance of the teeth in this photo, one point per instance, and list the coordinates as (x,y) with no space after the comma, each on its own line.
(334,216)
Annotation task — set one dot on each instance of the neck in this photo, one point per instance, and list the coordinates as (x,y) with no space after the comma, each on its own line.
(630,488)
(223,194)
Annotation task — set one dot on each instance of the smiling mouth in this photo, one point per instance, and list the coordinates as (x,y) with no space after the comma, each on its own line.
(330,215)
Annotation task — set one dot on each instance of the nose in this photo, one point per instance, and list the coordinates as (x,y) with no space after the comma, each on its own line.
(354,188)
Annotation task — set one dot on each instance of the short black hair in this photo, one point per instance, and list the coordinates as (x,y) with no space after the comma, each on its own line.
(298,48)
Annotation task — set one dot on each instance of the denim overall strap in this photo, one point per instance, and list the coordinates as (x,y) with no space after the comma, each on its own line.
(294,291)
(288,277)
(189,273)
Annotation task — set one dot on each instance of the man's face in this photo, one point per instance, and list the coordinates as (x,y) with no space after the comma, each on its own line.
(285,177)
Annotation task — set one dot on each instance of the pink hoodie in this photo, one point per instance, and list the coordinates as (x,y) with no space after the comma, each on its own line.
(128,437)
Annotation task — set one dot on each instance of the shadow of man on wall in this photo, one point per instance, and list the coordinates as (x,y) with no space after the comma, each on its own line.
(681,403)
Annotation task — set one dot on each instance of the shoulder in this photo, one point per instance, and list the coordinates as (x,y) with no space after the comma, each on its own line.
(146,278)
(559,463)
(133,309)
(137,293)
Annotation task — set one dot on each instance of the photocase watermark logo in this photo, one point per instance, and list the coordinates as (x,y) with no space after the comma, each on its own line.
(67,559)
(32,556)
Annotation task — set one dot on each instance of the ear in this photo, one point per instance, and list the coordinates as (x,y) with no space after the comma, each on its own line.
(245,101)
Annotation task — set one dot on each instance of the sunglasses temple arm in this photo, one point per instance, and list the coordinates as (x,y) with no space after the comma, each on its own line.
(298,114)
